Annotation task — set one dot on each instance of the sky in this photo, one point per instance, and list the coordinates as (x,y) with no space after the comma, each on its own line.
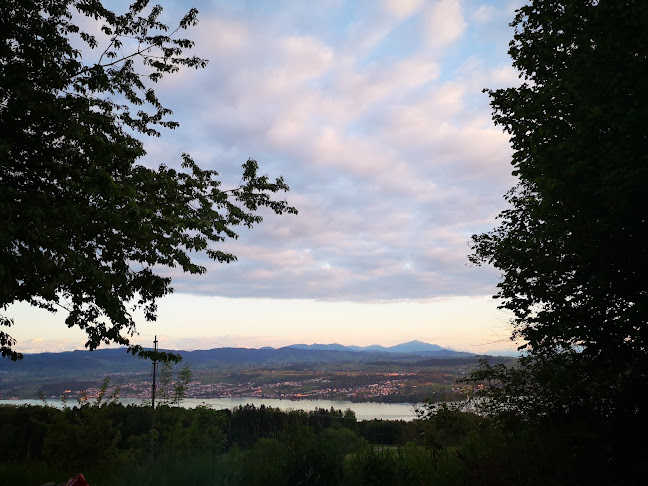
(373,112)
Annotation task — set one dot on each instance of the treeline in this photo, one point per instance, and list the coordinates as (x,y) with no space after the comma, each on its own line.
(111,443)
(116,444)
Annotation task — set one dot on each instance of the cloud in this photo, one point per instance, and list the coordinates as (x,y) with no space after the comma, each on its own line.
(444,22)
(386,142)
(402,8)
(485,13)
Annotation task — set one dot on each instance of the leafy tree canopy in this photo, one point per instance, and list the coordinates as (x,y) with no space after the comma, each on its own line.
(572,245)
(83,226)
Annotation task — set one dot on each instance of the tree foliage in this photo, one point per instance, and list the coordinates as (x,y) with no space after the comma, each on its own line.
(84,226)
(166,381)
(181,386)
(572,247)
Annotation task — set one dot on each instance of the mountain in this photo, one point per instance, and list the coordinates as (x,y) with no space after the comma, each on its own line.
(418,348)
(105,361)
(325,347)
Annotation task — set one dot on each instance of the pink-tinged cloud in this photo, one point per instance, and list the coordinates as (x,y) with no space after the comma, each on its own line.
(375,117)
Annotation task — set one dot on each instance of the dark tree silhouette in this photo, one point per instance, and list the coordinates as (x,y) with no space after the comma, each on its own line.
(572,247)
(83,226)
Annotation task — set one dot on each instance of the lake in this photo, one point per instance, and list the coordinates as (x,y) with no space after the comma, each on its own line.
(363,411)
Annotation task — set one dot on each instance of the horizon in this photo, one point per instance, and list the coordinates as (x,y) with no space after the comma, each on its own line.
(494,352)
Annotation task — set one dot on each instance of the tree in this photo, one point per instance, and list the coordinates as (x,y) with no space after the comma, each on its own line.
(173,391)
(572,247)
(84,226)
(166,379)
(181,386)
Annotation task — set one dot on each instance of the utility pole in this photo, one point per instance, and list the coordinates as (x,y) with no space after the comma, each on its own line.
(155,347)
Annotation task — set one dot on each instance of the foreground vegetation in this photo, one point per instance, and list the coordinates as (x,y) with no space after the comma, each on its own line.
(116,444)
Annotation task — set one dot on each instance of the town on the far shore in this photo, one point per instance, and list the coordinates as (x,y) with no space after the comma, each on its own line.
(260,382)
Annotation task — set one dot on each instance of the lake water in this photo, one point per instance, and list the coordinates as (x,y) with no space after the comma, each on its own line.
(363,411)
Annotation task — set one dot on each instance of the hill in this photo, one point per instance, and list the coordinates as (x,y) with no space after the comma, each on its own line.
(100,362)
(417,348)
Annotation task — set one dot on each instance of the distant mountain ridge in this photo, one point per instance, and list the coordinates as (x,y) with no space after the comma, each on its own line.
(413,347)
(82,362)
